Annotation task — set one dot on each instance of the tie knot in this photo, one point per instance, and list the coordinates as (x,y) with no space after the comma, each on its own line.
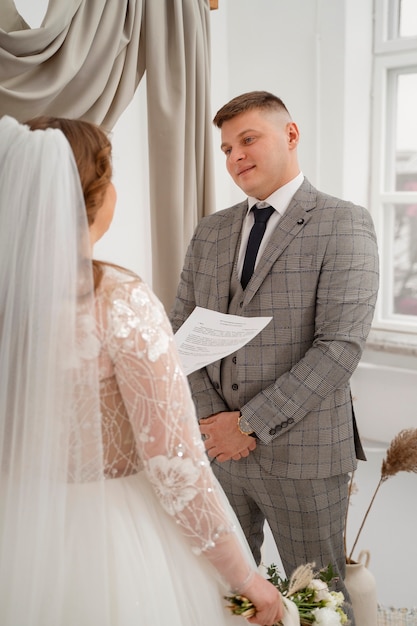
(262,214)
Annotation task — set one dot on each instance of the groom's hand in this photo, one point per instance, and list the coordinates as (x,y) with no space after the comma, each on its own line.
(223,439)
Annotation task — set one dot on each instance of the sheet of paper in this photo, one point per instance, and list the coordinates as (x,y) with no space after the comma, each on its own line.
(207,336)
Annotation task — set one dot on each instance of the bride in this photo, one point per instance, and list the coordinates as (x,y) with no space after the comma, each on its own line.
(109,513)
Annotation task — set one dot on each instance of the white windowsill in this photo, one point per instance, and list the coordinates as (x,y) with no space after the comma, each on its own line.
(393,342)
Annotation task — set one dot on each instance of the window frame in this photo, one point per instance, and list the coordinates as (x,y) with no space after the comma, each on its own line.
(392,57)
(386,26)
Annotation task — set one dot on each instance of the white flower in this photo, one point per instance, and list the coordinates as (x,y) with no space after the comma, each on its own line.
(336,599)
(326,617)
(174,480)
(321,591)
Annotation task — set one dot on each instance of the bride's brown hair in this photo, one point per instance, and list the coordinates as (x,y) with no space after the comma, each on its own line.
(92,152)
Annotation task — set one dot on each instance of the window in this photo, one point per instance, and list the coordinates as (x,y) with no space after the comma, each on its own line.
(394,162)
(407,23)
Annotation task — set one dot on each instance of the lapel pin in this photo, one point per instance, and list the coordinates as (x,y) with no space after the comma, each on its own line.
(300,221)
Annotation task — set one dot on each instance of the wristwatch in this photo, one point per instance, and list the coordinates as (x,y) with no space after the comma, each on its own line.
(244,426)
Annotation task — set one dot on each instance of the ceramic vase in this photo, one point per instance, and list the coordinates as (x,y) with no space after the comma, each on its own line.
(361,585)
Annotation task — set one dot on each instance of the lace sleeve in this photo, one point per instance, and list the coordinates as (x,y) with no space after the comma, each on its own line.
(158,400)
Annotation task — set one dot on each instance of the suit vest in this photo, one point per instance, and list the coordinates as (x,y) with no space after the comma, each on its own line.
(228,373)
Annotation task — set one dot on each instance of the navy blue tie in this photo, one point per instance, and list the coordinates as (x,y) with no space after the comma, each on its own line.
(254,241)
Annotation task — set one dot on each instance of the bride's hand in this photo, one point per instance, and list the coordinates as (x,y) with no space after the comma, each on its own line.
(266,599)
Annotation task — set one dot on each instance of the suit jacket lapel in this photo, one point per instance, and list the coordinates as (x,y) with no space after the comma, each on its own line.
(294,220)
(228,241)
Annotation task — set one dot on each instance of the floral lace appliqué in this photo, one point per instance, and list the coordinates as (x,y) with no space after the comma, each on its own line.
(124,318)
(174,480)
(140,313)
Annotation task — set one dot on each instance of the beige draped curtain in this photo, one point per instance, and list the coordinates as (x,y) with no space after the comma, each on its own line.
(86,60)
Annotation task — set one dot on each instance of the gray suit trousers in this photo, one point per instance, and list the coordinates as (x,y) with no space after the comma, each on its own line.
(305,516)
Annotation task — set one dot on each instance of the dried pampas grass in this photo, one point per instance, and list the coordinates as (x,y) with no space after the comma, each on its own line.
(301,578)
(401,456)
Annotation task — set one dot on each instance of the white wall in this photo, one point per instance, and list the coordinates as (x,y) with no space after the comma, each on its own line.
(128,242)
(300,51)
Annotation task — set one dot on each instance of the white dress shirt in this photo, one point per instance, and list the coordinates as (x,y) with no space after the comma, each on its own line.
(279,200)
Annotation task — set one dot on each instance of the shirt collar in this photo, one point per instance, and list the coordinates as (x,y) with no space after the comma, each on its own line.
(280,198)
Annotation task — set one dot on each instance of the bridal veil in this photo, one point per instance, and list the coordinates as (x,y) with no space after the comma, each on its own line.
(50,432)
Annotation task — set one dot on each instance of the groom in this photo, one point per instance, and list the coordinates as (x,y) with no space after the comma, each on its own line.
(277,415)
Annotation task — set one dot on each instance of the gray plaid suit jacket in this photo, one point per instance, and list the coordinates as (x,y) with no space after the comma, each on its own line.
(318,279)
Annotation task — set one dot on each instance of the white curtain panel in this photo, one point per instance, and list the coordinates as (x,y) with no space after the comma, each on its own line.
(86,60)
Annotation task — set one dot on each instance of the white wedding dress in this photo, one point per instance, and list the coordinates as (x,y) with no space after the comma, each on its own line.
(163,510)
(155,542)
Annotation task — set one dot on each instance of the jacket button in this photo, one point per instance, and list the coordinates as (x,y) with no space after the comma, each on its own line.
(235,386)
(290,420)
(234,360)
(216,386)
(300,221)
(272,431)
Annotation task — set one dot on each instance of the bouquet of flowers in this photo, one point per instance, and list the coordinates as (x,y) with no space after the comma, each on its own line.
(310,592)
